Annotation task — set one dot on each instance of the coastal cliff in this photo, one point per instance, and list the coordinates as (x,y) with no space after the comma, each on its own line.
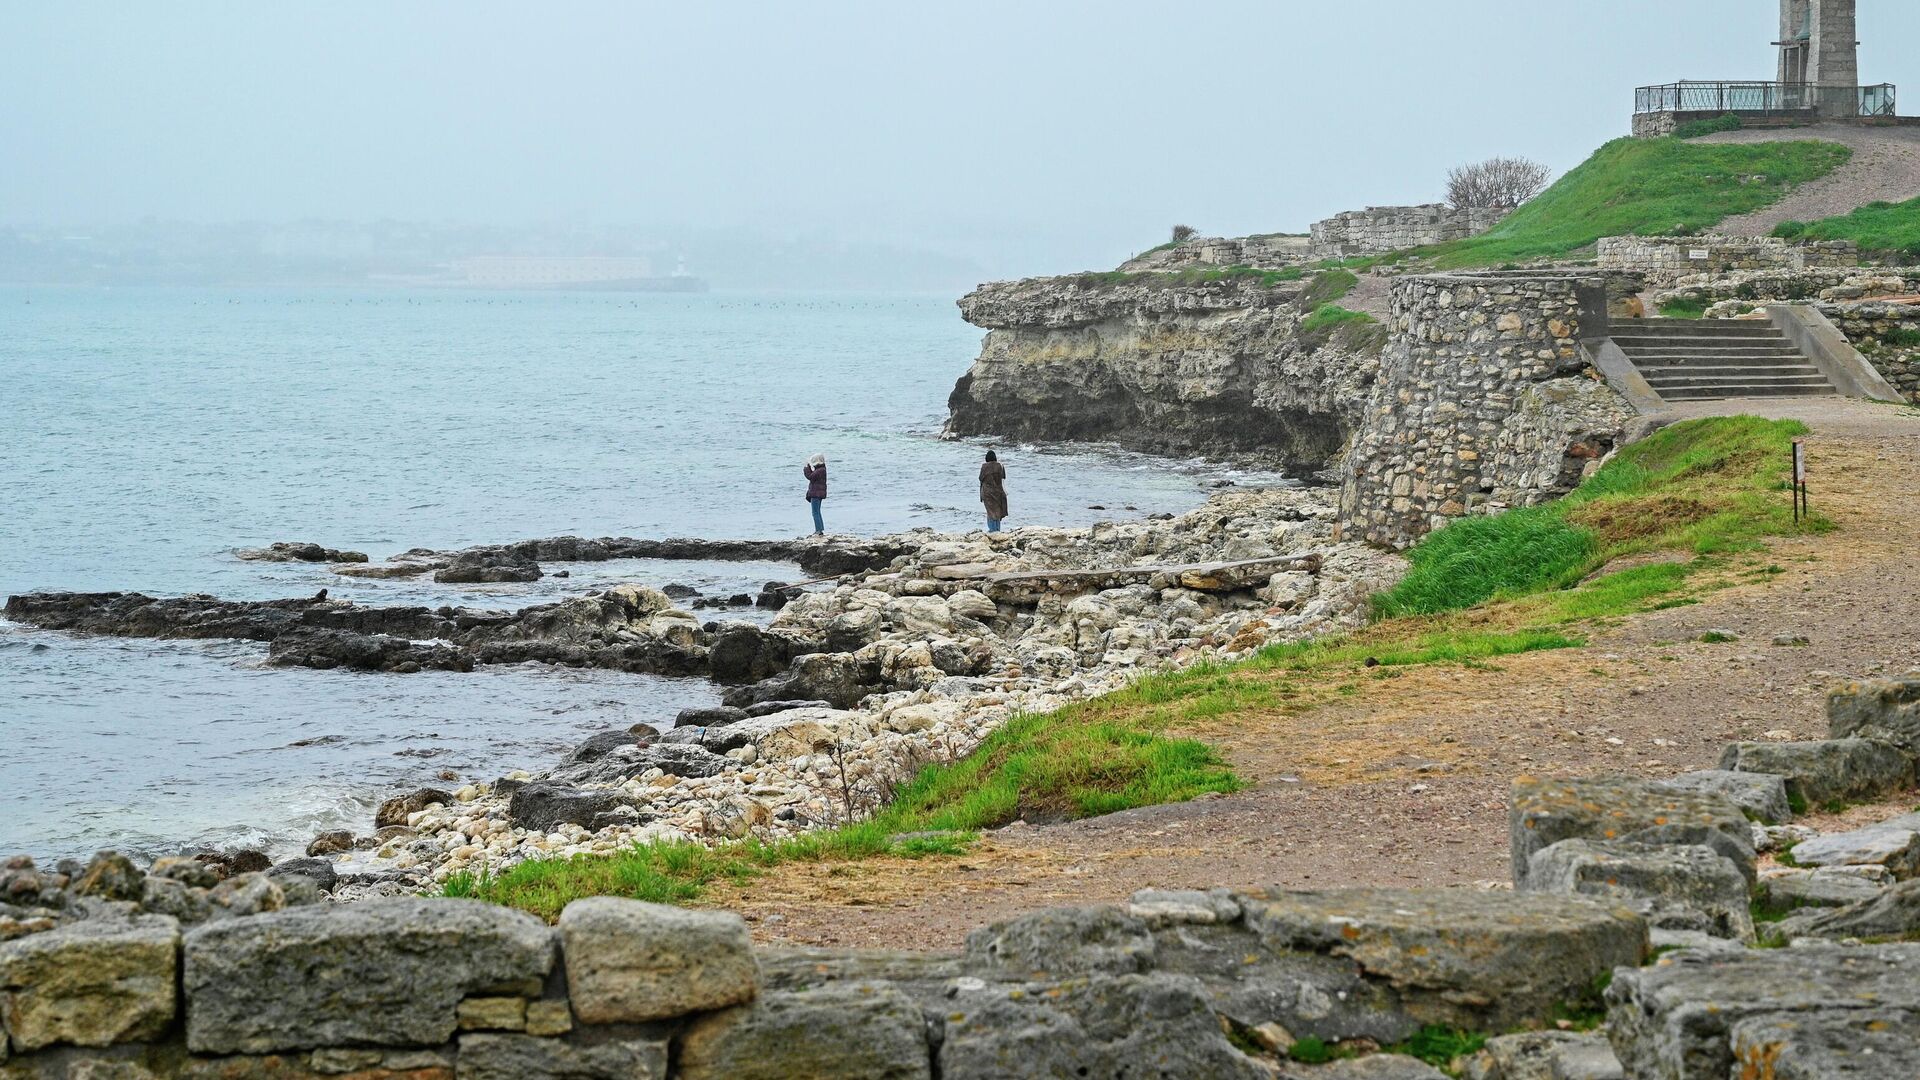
(1212,363)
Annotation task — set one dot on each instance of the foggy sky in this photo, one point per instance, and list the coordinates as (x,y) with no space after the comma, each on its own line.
(1033,135)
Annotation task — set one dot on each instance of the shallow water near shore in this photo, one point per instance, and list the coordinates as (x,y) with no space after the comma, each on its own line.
(147,433)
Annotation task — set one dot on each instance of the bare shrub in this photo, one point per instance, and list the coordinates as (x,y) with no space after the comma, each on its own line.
(1502,183)
(1183,233)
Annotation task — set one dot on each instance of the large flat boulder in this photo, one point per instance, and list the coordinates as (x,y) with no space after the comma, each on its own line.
(1761,796)
(1894,844)
(1871,1045)
(1677,1019)
(1544,1055)
(1894,913)
(382,973)
(1544,812)
(626,1056)
(629,961)
(1884,709)
(1469,959)
(849,1031)
(1131,1025)
(94,982)
(1674,886)
(1784,892)
(1827,770)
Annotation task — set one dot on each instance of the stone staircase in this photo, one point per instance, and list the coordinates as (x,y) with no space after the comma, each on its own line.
(1701,359)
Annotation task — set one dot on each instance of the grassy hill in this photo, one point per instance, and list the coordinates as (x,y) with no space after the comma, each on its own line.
(1645,187)
(1879,226)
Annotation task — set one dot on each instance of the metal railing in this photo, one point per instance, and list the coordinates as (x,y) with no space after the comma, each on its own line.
(1766,99)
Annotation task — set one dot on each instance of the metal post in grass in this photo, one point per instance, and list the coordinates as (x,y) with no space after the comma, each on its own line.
(1799,489)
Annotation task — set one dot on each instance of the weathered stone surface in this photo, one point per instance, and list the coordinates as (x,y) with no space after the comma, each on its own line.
(395,811)
(1884,709)
(525,1057)
(1761,796)
(1675,1020)
(1131,1025)
(111,876)
(1545,1055)
(544,805)
(1370,1067)
(849,1031)
(1870,1045)
(90,983)
(316,872)
(549,1018)
(285,551)
(1894,913)
(1894,844)
(630,961)
(1844,770)
(1781,893)
(492,1014)
(1063,941)
(1545,812)
(1475,960)
(1674,886)
(488,565)
(382,972)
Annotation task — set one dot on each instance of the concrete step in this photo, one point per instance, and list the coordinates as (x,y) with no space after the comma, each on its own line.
(1657,376)
(1715,393)
(1808,385)
(1744,356)
(1635,346)
(1695,326)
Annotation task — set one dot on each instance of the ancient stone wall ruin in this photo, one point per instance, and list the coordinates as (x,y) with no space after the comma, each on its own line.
(1265,251)
(1485,400)
(1888,335)
(1667,257)
(1380,229)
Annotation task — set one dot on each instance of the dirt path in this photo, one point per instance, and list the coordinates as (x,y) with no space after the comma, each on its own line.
(1404,782)
(1885,167)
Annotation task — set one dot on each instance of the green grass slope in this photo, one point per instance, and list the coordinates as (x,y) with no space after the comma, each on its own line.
(1879,226)
(1646,187)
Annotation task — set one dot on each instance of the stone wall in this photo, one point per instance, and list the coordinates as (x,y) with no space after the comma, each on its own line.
(1888,335)
(1674,256)
(1485,400)
(1266,251)
(1380,229)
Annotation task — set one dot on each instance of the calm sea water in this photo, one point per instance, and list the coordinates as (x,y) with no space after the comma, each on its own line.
(145,434)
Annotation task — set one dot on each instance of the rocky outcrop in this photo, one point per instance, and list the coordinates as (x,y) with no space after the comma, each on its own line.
(1163,363)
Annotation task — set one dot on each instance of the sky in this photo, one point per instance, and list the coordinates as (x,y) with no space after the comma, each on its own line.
(1033,136)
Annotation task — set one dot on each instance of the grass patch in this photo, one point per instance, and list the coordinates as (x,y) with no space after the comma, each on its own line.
(1438,1045)
(1694,129)
(1683,309)
(1645,187)
(1876,227)
(1328,286)
(1329,317)
(1706,486)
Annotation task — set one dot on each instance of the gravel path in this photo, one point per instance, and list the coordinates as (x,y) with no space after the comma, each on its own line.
(1404,781)
(1885,167)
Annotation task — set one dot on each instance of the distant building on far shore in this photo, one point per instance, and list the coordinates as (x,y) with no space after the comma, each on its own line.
(611,272)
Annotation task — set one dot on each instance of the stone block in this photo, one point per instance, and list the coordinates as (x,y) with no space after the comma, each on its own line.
(1545,812)
(1885,709)
(330,1063)
(1469,959)
(849,1031)
(1371,1067)
(1783,893)
(1675,887)
(1064,941)
(1829,770)
(525,1057)
(549,1018)
(1676,1019)
(1894,844)
(1128,1025)
(630,961)
(1761,796)
(1868,1045)
(492,1014)
(95,982)
(382,972)
(1893,913)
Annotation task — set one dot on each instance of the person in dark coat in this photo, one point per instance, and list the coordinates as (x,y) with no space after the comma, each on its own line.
(993,491)
(815,470)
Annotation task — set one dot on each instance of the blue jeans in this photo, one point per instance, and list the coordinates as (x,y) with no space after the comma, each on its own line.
(818,525)
(993,524)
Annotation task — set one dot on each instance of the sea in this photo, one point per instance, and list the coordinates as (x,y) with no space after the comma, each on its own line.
(148,433)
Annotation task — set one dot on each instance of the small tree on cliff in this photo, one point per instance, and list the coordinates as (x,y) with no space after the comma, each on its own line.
(1501,182)
(1184,233)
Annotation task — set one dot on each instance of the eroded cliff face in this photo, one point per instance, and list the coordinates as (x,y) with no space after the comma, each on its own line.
(1215,368)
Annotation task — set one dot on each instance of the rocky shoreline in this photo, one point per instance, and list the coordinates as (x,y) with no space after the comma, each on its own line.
(915,648)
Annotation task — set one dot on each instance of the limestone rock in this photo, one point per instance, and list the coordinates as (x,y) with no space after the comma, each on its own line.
(1370,1067)
(111,876)
(1131,1025)
(283,551)
(1473,960)
(849,1031)
(544,805)
(487,565)
(1062,941)
(1684,1016)
(1545,1055)
(1894,844)
(95,982)
(1545,812)
(525,1057)
(1789,891)
(1675,886)
(630,961)
(1894,913)
(316,872)
(1846,770)
(395,811)
(1761,796)
(1869,1044)
(382,972)
(1885,709)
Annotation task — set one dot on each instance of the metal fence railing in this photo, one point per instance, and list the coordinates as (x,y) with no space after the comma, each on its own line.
(1766,99)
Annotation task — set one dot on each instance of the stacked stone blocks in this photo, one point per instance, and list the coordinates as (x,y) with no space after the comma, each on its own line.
(1674,256)
(1380,229)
